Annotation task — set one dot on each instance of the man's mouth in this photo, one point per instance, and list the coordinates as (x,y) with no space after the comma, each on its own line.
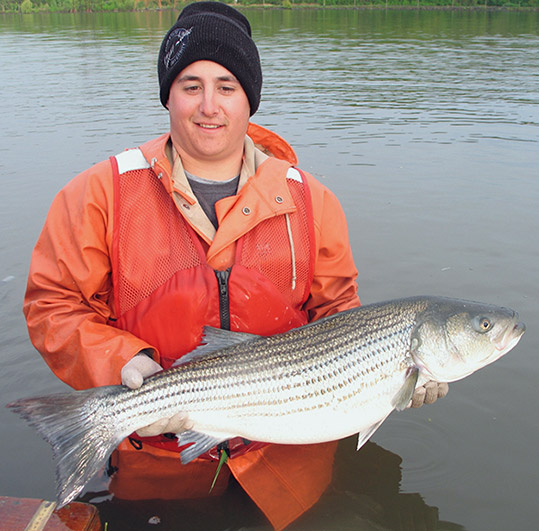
(209,126)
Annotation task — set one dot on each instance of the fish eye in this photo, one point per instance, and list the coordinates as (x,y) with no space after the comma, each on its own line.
(482,324)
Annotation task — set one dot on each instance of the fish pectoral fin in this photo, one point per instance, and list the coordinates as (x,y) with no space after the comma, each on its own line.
(364,436)
(214,339)
(403,397)
(199,443)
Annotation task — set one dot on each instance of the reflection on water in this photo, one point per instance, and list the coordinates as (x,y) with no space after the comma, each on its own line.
(426,126)
(367,490)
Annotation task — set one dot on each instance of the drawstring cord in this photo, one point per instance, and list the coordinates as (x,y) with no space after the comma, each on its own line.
(292,251)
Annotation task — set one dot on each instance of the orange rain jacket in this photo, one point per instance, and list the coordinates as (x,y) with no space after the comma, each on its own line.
(69,303)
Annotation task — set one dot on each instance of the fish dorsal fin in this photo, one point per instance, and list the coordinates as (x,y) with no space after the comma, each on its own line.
(214,339)
(403,397)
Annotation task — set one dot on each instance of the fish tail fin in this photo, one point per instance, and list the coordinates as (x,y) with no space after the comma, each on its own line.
(80,437)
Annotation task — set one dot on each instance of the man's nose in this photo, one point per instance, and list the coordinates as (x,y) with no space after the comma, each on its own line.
(209,105)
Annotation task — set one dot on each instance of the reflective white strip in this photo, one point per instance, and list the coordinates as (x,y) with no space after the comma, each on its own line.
(294,175)
(130,160)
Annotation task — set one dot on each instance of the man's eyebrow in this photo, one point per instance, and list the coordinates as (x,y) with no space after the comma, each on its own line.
(228,78)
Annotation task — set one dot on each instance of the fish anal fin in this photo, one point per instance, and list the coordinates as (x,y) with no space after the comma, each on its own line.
(404,395)
(197,443)
(364,436)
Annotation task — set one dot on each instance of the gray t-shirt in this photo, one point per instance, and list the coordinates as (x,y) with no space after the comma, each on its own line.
(209,192)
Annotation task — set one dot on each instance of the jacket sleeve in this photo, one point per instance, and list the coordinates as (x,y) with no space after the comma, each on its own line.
(68,301)
(334,287)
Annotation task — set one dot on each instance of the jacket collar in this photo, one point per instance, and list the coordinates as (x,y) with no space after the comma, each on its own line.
(262,191)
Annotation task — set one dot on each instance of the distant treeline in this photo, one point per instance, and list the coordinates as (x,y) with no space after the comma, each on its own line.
(33,6)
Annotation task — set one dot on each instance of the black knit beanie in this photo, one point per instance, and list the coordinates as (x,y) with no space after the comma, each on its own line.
(215,32)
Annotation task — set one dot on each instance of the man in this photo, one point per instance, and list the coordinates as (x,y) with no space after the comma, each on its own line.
(197,227)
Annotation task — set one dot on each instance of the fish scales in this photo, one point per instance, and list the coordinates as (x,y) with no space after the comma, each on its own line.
(340,375)
(247,381)
(296,362)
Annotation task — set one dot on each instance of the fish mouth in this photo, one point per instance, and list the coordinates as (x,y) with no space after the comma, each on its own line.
(510,337)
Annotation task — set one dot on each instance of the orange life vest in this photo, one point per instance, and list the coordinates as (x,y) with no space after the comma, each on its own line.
(164,290)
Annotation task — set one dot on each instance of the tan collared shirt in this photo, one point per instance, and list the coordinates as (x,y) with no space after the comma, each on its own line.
(186,200)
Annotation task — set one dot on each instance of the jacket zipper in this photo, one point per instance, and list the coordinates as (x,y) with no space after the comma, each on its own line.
(224,301)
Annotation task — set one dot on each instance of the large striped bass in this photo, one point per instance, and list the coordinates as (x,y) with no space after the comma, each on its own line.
(341,375)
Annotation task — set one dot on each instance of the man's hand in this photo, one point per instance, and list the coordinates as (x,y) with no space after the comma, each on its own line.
(175,424)
(133,373)
(428,393)
(137,368)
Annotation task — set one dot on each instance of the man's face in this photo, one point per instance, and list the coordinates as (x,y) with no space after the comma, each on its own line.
(209,114)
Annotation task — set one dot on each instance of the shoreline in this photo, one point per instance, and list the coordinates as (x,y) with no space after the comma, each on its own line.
(30,10)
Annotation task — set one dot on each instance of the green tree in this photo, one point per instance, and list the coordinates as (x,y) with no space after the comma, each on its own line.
(27,6)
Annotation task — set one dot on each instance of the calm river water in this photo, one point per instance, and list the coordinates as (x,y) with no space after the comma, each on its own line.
(425,124)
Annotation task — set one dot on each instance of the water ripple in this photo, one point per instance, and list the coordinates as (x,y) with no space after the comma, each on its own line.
(425,448)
